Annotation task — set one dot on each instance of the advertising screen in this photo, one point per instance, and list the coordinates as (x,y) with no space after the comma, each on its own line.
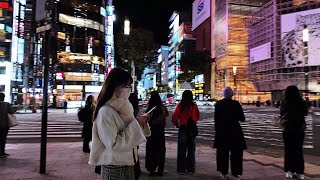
(200,12)
(260,53)
(292,45)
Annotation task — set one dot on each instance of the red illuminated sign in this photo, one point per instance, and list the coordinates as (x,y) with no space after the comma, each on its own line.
(4,5)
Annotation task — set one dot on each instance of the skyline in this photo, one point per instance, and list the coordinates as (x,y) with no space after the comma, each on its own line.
(150,15)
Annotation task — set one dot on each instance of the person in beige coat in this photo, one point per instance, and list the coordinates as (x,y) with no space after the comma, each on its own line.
(116,132)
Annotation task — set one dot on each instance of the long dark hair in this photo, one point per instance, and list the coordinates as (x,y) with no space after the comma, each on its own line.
(155,100)
(134,100)
(117,77)
(292,95)
(187,100)
(89,100)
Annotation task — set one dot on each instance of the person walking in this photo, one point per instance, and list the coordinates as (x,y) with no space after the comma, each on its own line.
(229,137)
(5,108)
(85,115)
(293,111)
(185,110)
(156,146)
(116,133)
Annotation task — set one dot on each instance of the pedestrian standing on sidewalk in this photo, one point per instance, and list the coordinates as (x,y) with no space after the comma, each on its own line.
(156,145)
(116,133)
(186,144)
(229,137)
(133,98)
(293,111)
(5,108)
(85,115)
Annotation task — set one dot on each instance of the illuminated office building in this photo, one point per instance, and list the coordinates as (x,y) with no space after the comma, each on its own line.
(231,49)
(180,43)
(284,46)
(6,12)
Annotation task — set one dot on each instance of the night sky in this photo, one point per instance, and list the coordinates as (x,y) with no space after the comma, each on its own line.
(149,14)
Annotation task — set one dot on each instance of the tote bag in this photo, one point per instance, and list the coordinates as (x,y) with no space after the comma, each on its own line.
(12,120)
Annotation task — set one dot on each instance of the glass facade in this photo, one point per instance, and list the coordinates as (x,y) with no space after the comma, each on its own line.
(80,60)
(285,66)
(231,47)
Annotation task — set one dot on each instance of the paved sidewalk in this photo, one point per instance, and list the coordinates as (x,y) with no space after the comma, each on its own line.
(66,161)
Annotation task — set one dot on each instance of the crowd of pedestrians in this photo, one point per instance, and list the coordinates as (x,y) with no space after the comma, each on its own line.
(116,126)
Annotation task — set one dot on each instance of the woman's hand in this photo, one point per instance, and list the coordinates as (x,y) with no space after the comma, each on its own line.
(143,118)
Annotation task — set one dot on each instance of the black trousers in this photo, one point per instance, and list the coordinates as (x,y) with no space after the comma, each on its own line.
(236,158)
(293,151)
(3,139)
(86,141)
(156,149)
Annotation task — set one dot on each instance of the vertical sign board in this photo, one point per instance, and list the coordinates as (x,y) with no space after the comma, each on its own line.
(40,10)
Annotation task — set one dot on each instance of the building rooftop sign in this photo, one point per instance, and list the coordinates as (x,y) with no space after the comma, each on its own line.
(201,11)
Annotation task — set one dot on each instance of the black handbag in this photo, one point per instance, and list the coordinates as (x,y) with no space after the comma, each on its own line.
(192,128)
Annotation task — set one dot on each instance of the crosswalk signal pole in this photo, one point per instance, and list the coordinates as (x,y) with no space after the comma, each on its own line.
(44,12)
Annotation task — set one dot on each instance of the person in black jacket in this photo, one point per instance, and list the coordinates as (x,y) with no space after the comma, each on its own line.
(228,135)
(85,116)
(156,145)
(5,108)
(293,111)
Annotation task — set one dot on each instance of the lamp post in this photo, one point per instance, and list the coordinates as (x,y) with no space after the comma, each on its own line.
(305,39)
(131,63)
(234,70)
(127,33)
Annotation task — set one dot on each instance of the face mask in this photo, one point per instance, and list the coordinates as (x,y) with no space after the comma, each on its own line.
(124,92)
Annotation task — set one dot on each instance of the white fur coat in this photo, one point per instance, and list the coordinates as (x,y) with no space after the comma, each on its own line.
(115,134)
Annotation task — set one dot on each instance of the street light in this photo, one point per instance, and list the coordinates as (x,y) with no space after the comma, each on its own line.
(127,33)
(305,39)
(131,63)
(126,27)
(234,70)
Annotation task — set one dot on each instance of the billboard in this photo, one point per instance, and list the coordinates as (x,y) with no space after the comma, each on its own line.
(200,12)
(260,53)
(292,45)
(185,31)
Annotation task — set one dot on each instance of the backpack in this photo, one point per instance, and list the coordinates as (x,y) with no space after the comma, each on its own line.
(82,114)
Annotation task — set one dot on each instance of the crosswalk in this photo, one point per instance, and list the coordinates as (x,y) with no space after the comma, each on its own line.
(60,125)
(257,128)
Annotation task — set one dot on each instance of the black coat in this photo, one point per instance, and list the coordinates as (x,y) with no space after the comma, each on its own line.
(5,108)
(293,115)
(87,120)
(228,132)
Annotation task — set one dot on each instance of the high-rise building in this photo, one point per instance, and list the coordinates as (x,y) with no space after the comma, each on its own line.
(284,47)
(80,49)
(231,49)
(202,11)
(163,62)
(6,12)
(179,45)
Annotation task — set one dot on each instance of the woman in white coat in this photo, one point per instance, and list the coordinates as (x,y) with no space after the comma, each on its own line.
(116,132)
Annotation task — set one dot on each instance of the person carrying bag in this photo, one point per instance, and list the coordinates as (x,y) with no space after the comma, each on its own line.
(185,112)
(6,121)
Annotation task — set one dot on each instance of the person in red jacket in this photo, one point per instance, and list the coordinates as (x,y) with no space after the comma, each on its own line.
(186,144)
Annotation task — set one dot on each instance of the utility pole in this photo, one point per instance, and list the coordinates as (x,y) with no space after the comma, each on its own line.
(44,12)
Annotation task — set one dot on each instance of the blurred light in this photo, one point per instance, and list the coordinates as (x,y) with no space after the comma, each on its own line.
(126,27)
(305,34)
(234,69)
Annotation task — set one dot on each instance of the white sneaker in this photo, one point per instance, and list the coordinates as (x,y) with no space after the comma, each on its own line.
(289,175)
(237,177)
(300,176)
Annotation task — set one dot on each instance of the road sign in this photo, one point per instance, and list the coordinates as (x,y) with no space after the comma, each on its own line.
(43,28)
